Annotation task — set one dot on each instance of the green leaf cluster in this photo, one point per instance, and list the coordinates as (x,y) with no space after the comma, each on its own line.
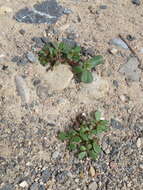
(84,69)
(54,53)
(84,139)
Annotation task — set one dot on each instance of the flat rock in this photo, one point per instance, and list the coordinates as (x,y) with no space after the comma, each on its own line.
(59,78)
(131,70)
(95,90)
(46,12)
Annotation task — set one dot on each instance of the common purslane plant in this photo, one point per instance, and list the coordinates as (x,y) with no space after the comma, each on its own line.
(83,139)
(54,53)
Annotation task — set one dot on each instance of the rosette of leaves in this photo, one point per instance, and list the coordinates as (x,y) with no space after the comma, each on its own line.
(84,139)
(84,69)
(54,53)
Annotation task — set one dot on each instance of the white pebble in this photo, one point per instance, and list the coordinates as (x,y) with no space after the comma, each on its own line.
(23,184)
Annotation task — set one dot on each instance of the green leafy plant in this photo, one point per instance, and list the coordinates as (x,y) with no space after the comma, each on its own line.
(54,53)
(83,139)
(84,68)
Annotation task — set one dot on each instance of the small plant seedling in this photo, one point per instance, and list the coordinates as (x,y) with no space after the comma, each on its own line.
(83,139)
(54,53)
(84,68)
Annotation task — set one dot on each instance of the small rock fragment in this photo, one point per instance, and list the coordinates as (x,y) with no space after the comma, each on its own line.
(34,186)
(120,43)
(22,31)
(92,171)
(46,174)
(31,57)
(93,186)
(115,83)
(116,124)
(55,155)
(103,6)
(130,37)
(113,51)
(23,184)
(42,92)
(136,2)
(140,142)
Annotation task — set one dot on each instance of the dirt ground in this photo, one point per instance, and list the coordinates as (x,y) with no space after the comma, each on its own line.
(28,135)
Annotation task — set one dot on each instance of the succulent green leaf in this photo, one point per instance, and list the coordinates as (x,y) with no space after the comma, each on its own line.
(77,69)
(89,146)
(86,76)
(93,155)
(82,148)
(72,146)
(82,155)
(76,139)
(97,60)
(63,136)
(96,148)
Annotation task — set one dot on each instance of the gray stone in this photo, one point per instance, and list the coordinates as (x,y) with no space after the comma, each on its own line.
(116,124)
(67,11)
(31,57)
(62,177)
(93,186)
(136,2)
(131,70)
(38,42)
(22,61)
(16,59)
(88,51)
(59,78)
(46,12)
(55,155)
(45,40)
(46,174)
(119,42)
(103,6)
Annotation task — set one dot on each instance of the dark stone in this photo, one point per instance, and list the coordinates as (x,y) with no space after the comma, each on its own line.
(136,2)
(130,37)
(46,174)
(103,6)
(115,83)
(4,67)
(15,59)
(22,61)
(45,40)
(42,187)
(22,31)
(38,41)
(36,82)
(62,177)
(116,124)
(46,12)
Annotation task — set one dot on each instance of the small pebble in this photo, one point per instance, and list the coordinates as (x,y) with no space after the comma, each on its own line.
(130,37)
(67,11)
(115,83)
(139,142)
(92,171)
(23,184)
(113,51)
(136,2)
(103,6)
(22,31)
(31,57)
(93,186)
(116,124)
